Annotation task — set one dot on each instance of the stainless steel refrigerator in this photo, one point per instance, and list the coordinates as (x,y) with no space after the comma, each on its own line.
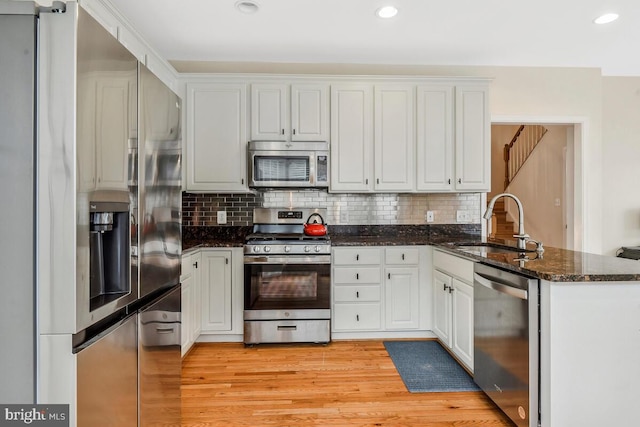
(90,146)
(17,215)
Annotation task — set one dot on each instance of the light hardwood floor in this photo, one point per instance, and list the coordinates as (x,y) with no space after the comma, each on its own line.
(346,383)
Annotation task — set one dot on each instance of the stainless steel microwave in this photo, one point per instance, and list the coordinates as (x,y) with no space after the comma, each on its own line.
(279,164)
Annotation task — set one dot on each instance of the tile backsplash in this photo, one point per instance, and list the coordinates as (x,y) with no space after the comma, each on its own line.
(344,209)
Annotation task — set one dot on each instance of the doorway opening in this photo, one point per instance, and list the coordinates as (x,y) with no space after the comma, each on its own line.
(547,178)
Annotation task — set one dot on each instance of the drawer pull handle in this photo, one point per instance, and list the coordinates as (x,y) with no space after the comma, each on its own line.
(287,327)
(164,330)
(451,289)
(357,317)
(357,294)
(357,257)
(357,276)
(403,257)
(389,276)
(445,288)
(195,264)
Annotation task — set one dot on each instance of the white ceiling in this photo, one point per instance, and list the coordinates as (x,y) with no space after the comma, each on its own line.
(425,32)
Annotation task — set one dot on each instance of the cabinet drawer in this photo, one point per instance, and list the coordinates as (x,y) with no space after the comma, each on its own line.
(453,265)
(402,256)
(356,275)
(357,256)
(356,317)
(356,293)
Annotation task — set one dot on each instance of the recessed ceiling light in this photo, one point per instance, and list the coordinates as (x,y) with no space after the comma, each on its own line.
(247,6)
(387,12)
(606,18)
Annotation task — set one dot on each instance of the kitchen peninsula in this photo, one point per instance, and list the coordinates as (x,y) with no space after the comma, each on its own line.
(589,313)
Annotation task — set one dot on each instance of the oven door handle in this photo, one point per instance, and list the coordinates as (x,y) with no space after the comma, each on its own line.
(318,259)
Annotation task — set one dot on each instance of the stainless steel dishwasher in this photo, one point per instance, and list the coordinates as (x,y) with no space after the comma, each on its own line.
(506,341)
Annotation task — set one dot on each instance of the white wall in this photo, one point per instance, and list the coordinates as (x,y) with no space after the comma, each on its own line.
(621,162)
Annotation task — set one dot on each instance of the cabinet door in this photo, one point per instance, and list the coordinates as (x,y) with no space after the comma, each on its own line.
(434,143)
(186,315)
(394,138)
(216,290)
(473,139)
(270,112)
(462,328)
(216,137)
(112,133)
(442,307)
(402,298)
(310,112)
(351,137)
(196,293)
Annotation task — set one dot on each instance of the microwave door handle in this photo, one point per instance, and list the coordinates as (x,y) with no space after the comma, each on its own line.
(312,169)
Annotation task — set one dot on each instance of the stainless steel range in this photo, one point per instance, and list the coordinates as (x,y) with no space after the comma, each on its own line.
(287,277)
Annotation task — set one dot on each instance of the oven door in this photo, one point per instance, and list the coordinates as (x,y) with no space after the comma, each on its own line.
(287,287)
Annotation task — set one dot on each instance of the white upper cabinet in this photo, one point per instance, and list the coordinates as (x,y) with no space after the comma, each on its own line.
(216,148)
(473,139)
(282,112)
(434,145)
(309,112)
(394,137)
(351,137)
(269,112)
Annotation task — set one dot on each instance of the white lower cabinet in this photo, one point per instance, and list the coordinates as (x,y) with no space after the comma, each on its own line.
(453,304)
(191,291)
(380,290)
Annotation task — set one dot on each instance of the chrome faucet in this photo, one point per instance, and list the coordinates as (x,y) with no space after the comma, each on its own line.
(522,237)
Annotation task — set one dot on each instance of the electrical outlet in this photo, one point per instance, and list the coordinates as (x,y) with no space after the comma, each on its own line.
(222,217)
(344,217)
(429,216)
(462,216)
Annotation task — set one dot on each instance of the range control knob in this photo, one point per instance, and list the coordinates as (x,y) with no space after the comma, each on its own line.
(287,249)
(256,249)
(267,249)
(307,248)
(317,249)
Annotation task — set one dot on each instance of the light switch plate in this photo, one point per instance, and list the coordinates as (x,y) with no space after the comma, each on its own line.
(429,216)
(462,216)
(222,217)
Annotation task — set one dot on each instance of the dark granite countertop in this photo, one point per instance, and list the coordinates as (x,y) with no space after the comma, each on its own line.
(557,265)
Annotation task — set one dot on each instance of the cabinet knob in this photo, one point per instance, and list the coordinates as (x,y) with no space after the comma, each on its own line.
(459,180)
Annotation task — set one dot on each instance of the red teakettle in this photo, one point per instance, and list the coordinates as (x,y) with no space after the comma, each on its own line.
(315,228)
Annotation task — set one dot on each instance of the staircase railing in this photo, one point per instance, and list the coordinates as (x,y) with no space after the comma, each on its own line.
(517,151)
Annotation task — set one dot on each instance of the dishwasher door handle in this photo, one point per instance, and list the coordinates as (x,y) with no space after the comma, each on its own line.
(505,288)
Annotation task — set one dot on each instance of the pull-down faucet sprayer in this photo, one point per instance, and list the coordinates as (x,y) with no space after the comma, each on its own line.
(521,236)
